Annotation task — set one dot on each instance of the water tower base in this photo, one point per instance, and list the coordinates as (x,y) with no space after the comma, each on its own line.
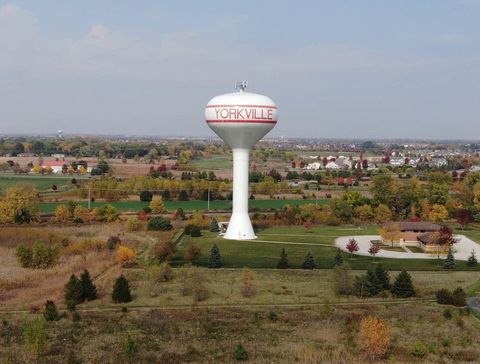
(240,228)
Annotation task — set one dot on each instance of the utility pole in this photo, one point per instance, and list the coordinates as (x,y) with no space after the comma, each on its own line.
(89,193)
(208,199)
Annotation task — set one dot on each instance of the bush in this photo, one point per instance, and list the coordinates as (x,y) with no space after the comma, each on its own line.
(112,242)
(165,251)
(34,335)
(135,224)
(188,229)
(146,196)
(214,225)
(459,297)
(240,353)
(447,313)
(162,273)
(125,255)
(444,297)
(308,262)
(121,291)
(159,223)
(193,253)
(374,337)
(195,232)
(40,256)
(283,261)
(472,260)
(130,346)
(50,312)
(419,350)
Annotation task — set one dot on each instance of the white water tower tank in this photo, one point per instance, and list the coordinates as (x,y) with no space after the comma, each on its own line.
(241,119)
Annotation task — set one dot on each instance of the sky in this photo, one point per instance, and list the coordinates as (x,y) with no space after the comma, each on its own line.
(336,69)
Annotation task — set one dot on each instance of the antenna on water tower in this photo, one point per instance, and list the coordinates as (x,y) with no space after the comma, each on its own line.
(240,86)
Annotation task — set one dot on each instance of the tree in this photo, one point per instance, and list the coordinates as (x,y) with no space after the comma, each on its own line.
(390,232)
(383,214)
(20,204)
(438,213)
(374,337)
(472,260)
(459,297)
(444,296)
(449,262)
(352,246)
(165,251)
(159,223)
(214,225)
(384,189)
(89,291)
(383,276)
(308,262)
(403,285)
(283,261)
(374,249)
(463,217)
(62,213)
(121,291)
(338,258)
(156,205)
(73,292)
(50,312)
(373,285)
(215,257)
(342,280)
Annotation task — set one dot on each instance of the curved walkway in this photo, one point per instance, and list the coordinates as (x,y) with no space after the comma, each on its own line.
(473,304)
(462,249)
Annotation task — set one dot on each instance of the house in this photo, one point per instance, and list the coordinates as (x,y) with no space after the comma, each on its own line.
(430,243)
(474,169)
(412,229)
(56,166)
(397,161)
(339,163)
(313,166)
(438,162)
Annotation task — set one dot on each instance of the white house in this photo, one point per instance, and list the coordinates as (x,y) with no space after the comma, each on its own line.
(57,167)
(397,161)
(313,166)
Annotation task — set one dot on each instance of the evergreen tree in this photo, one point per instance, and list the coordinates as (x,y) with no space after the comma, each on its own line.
(308,262)
(215,257)
(472,260)
(283,261)
(338,258)
(50,312)
(449,263)
(214,225)
(459,297)
(403,286)
(89,291)
(373,286)
(383,276)
(121,291)
(73,292)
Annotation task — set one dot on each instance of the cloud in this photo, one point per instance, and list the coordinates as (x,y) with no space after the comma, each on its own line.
(9,9)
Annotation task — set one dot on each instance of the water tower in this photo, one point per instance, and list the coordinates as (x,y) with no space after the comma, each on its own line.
(241,119)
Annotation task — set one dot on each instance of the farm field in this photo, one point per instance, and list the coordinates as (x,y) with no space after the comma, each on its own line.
(42,183)
(214,162)
(49,207)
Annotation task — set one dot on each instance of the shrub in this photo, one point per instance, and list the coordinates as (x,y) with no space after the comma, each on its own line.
(338,258)
(419,350)
(125,255)
(447,313)
(135,224)
(162,273)
(50,312)
(215,257)
(165,251)
(156,205)
(194,282)
(449,262)
(444,297)
(146,196)
(195,232)
(248,282)
(73,292)
(159,223)
(130,346)
(180,214)
(89,291)
(188,229)
(75,316)
(112,242)
(85,246)
(193,253)
(308,262)
(403,286)
(459,297)
(374,337)
(40,256)
(214,225)
(121,291)
(34,335)
(240,353)
(107,213)
(283,261)
(472,260)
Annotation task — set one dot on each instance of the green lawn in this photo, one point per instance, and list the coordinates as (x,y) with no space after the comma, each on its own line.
(43,183)
(261,254)
(187,205)
(214,162)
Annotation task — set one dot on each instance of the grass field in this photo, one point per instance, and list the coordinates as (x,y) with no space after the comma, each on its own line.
(215,162)
(187,205)
(42,183)
(265,251)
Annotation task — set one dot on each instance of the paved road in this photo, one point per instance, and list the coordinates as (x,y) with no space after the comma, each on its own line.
(462,249)
(474,304)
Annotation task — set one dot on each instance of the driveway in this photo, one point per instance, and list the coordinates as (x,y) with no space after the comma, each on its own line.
(462,249)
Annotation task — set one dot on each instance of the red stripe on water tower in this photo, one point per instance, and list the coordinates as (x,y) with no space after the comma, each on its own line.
(243,121)
(236,105)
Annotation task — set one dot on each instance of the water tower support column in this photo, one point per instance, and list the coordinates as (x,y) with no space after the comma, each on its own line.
(240,226)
